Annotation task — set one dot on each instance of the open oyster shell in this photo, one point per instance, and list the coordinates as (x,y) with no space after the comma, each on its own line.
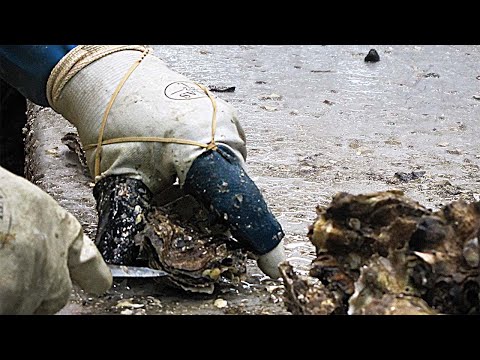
(181,239)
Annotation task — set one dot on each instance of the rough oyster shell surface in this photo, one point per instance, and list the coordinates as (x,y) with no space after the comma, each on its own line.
(194,254)
(383,253)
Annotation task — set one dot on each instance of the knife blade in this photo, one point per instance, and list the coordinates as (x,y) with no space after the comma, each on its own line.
(135,271)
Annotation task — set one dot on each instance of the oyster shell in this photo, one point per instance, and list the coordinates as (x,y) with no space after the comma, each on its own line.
(306,296)
(384,253)
(181,239)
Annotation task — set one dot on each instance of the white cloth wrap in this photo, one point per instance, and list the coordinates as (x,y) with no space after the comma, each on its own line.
(42,249)
(154,101)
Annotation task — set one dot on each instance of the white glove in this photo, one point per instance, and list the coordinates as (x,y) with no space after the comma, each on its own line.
(269,262)
(42,250)
(154,102)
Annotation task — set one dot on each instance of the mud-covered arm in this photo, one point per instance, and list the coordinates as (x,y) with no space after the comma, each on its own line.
(27,68)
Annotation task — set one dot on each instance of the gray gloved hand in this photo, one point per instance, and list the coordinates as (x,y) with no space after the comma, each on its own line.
(154,102)
(269,262)
(42,250)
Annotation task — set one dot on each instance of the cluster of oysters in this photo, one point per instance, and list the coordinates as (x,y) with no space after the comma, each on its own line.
(383,253)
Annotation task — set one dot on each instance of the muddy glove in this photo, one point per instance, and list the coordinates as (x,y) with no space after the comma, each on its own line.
(218,181)
(154,101)
(42,250)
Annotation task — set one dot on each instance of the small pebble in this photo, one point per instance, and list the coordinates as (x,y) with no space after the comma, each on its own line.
(372,56)
(220,303)
(268,108)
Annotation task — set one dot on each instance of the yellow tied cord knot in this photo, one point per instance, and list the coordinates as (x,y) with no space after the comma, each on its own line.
(210,146)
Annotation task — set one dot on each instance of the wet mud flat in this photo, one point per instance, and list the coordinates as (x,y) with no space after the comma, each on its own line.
(319,120)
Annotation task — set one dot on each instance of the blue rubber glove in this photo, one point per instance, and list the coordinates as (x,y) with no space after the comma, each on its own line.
(218,181)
